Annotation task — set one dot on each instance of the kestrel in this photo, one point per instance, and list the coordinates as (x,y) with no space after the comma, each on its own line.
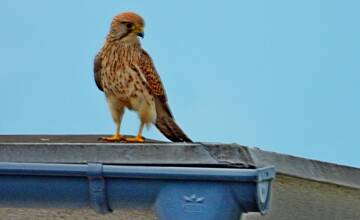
(126,74)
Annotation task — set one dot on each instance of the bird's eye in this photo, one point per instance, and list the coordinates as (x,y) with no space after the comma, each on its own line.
(129,25)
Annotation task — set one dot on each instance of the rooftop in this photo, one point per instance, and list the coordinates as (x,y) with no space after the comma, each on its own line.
(298,179)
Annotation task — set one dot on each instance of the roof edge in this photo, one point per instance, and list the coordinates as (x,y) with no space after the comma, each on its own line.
(306,168)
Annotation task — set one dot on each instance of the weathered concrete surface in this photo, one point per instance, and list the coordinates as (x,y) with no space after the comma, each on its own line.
(66,214)
(78,149)
(303,189)
(301,199)
(308,169)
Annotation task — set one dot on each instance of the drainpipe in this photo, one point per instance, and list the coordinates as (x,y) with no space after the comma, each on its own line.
(175,192)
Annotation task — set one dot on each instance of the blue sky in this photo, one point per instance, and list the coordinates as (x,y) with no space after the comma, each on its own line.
(279,75)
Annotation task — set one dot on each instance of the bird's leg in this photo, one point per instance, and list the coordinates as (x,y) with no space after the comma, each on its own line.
(138,137)
(117,113)
(116,137)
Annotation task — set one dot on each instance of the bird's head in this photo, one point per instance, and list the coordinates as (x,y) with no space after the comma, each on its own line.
(127,27)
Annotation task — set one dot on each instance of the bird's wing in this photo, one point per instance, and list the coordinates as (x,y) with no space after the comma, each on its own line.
(97,69)
(165,121)
(148,71)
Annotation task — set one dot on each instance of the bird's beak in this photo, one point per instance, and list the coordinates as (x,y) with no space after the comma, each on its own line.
(140,34)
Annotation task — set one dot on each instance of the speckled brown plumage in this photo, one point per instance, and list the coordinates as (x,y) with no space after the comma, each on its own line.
(127,76)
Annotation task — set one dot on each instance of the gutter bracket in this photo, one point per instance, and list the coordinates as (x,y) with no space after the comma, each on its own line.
(97,188)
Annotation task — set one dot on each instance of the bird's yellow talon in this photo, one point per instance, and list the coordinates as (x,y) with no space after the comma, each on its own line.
(137,139)
(114,138)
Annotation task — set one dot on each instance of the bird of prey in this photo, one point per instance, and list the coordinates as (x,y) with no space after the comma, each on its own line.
(126,74)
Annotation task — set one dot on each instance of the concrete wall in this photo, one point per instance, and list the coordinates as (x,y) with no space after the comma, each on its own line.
(300,199)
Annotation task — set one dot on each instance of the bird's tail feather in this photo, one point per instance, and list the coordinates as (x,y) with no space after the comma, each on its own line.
(171,130)
(166,123)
